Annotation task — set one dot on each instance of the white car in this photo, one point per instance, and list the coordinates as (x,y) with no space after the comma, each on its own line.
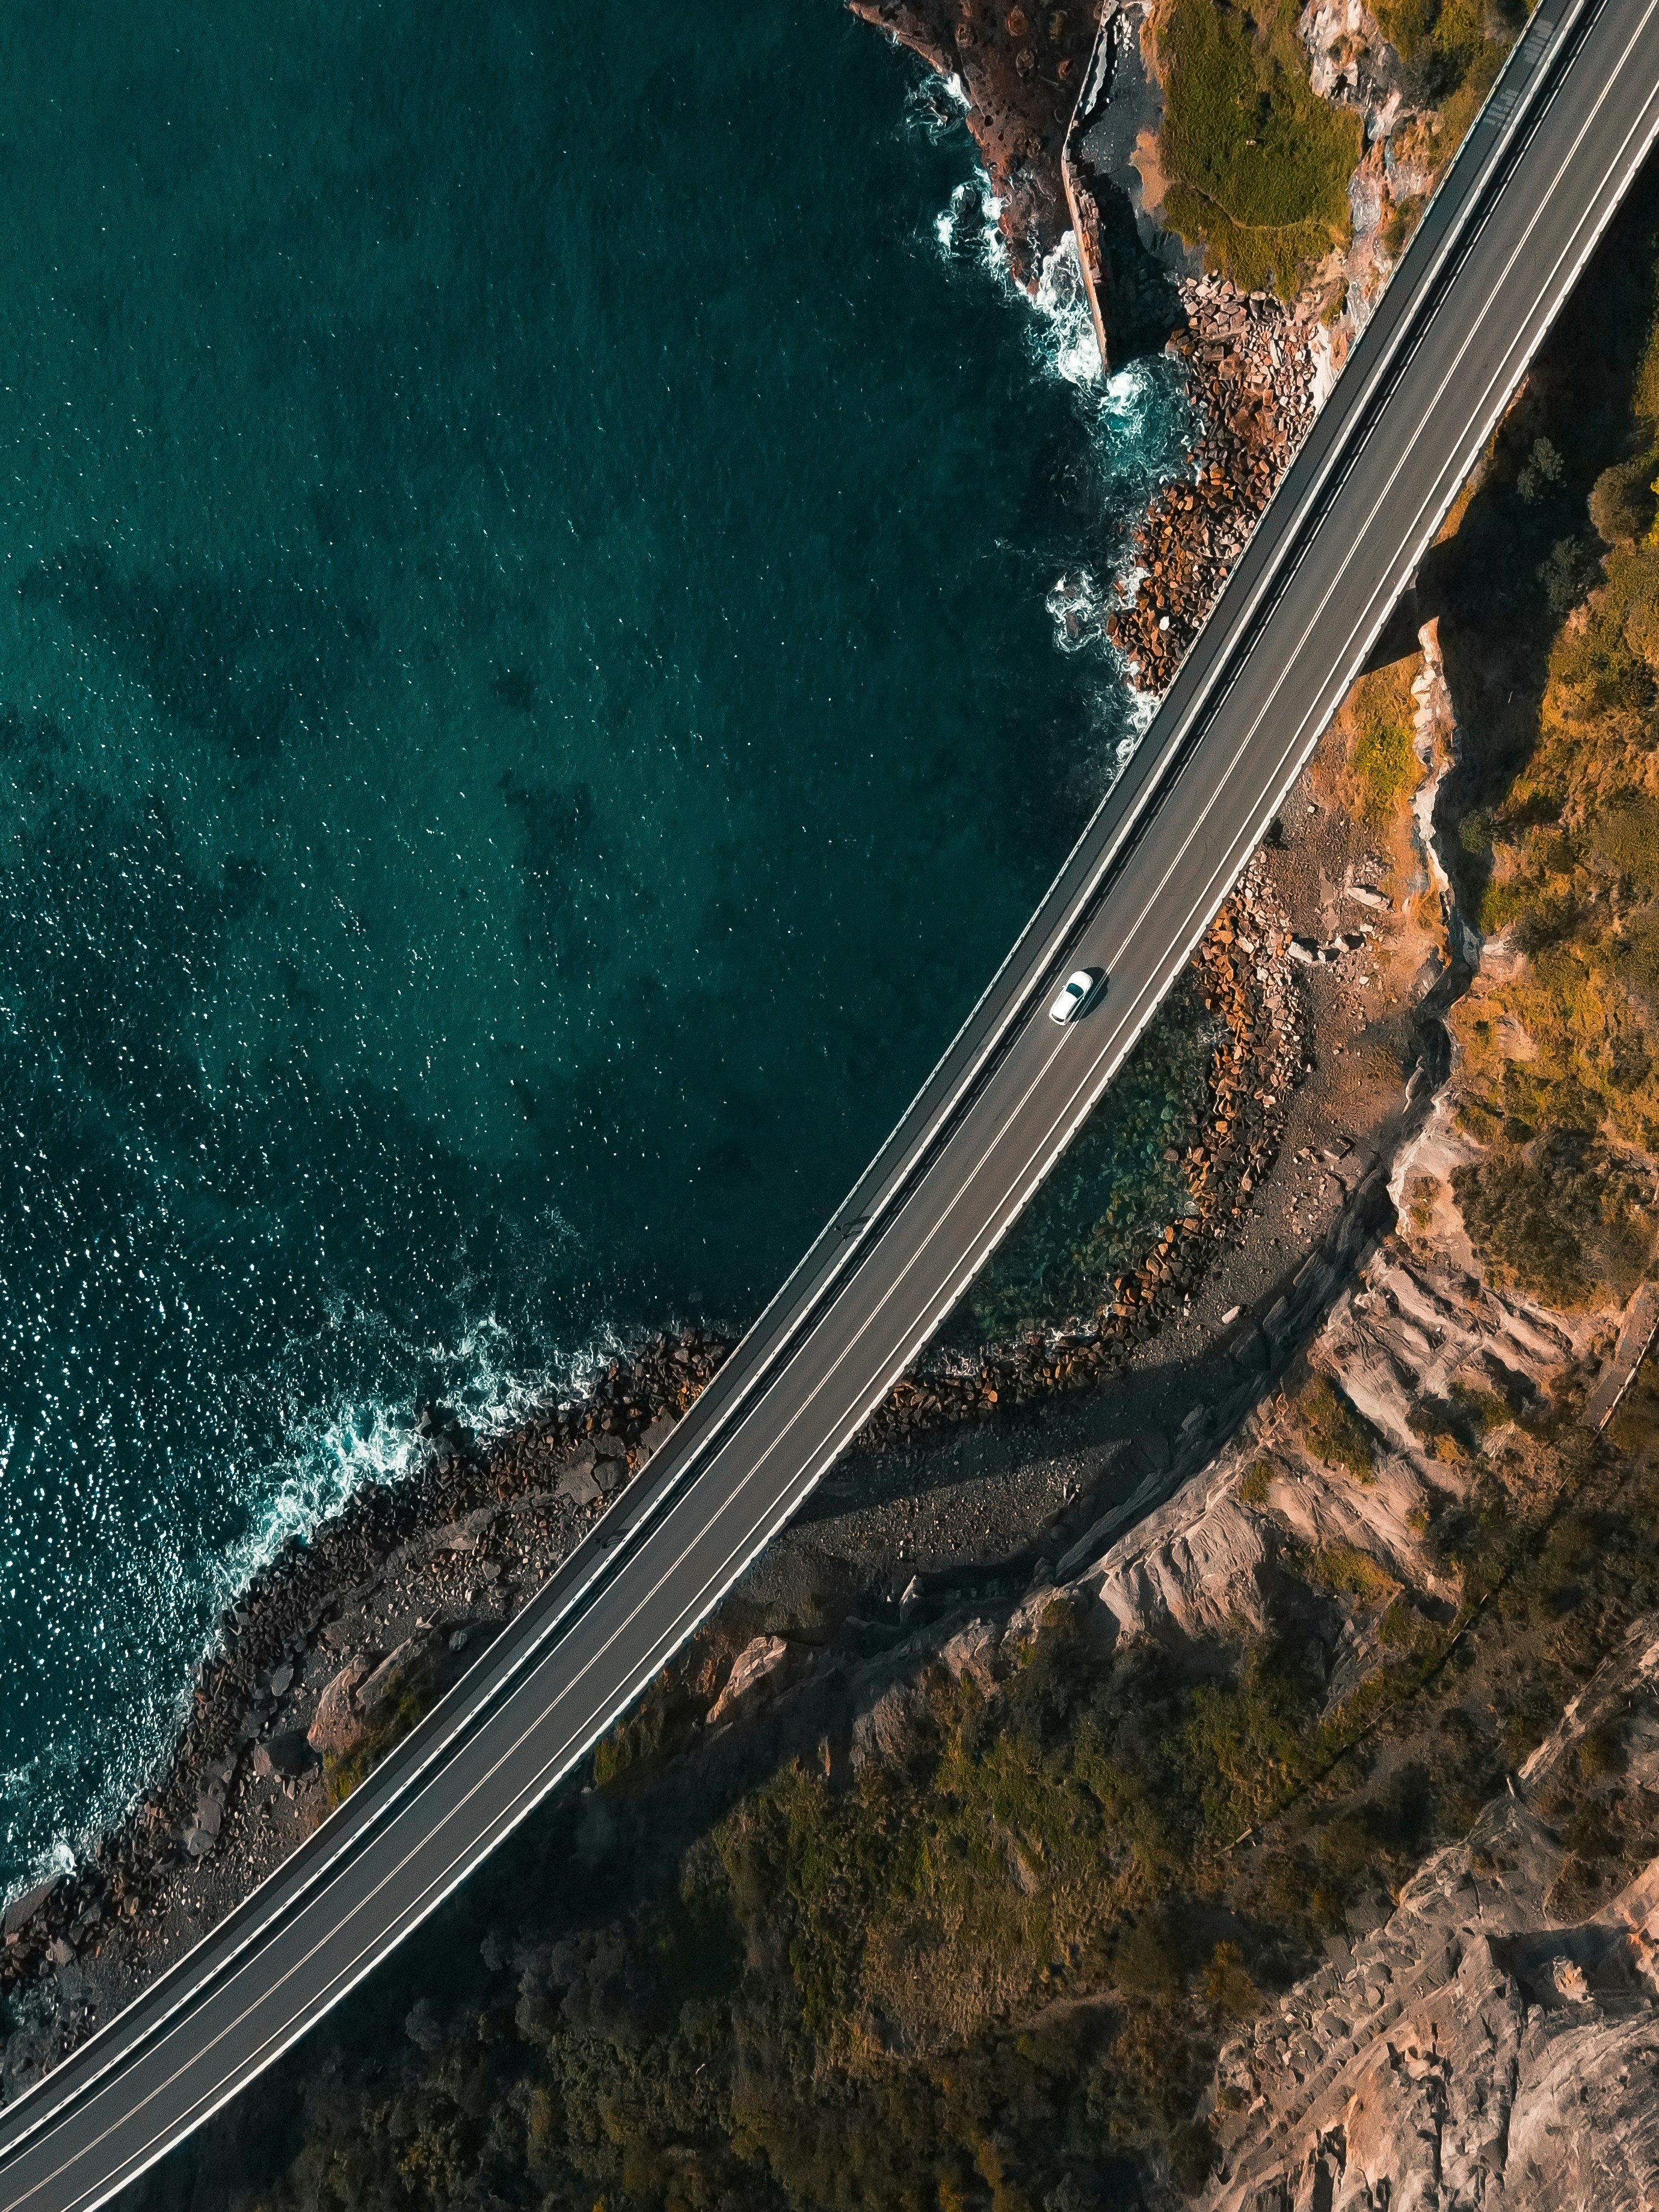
(1075,993)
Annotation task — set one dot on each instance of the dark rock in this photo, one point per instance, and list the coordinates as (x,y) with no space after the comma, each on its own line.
(22,1910)
(291,1757)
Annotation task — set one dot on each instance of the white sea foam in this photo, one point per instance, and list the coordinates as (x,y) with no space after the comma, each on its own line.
(327,1461)
(1136,420)
(1067,339)
(1076,607)
(935,106)
(966,228)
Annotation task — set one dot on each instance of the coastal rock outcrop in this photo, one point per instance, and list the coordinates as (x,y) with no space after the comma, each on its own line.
(1017,69)
(763,1663)
(338,1727)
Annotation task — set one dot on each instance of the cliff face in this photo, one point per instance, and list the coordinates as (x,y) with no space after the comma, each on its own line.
(1489,2045)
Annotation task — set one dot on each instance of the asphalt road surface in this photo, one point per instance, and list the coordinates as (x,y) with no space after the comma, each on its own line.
(1572,117)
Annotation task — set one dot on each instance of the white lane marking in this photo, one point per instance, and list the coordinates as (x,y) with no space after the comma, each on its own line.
(1108,1047)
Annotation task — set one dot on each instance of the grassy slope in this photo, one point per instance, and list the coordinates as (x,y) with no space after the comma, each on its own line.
(1257,165)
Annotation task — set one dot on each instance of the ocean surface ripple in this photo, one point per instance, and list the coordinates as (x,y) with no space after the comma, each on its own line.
(533,570)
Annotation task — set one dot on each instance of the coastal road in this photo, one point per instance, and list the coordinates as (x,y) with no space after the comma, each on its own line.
(1572,117)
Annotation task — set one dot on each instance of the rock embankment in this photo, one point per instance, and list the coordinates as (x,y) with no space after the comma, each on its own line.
(1248,987)
(1251,362)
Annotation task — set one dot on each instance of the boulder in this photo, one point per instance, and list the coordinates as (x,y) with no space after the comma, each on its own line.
(659,1432)
(578,1484)
(290,1755)
(759,1661)
(881,1729)
(469,1533)
(415,1669)
(338,1726)
(22,1910)
(972,1652)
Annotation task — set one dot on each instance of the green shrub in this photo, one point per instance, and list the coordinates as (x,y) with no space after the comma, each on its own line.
(1543,473)
(1567,575)
(1343,1569)
(1623,837)
(1228,1984)
(1445,41)
(1600,1753)
(1401,222)
(1487,1411)
(1556,1219)
(1387,764)
(1502,903)
(1253,1491)
(1347,1851)
(1333,1433)
(1621,501)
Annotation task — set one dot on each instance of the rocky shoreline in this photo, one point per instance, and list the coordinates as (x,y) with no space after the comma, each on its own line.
(320,1667)
(1245,969)
(1252,370)
(1019,68)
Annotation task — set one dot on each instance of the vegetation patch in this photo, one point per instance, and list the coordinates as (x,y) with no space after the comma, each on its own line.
(344,1770)
(1257,164)
(1341,1568)
(1257,1483)
(1333,1433)
(1455,47)
(1388,768)
(1556,1217)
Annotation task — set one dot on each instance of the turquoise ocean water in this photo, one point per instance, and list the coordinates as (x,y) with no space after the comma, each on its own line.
(535,555)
